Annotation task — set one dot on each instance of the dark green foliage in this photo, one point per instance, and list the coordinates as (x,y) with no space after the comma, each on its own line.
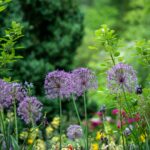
(53,30)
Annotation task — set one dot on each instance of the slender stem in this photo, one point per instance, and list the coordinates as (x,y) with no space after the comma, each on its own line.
(76,109)
(16,124)
(112,58)
(79,119)
(60,115)
(86,119)
(3,127)
(121,124)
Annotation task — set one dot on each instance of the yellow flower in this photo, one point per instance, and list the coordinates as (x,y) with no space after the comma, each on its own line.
(55,139)
(55,122)
(143,138)
(94,146)
(34,130)
(23,135)
(30,141)
(40,145)
(33,133)
(100,135)
(49,130)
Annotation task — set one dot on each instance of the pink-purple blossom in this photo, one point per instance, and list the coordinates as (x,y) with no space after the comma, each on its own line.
(74,132)
(58,84)
(10,92)
(121,77)
(84,79)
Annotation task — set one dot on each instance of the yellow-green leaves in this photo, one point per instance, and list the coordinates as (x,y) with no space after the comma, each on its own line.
(3,4)
(8,45)
(106,36)
(143,49)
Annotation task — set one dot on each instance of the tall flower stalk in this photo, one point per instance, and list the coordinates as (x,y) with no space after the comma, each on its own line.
(84,79)
(86,119)
(60,115)
(79,119)
(15,118)
(58,86)
(3,127)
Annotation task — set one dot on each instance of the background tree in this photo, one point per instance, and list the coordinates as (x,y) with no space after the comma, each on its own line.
(53,30)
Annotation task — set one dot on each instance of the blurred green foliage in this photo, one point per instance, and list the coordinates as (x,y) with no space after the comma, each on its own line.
(130,19)
(52,32)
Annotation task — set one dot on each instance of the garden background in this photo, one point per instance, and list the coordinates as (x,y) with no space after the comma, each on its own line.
(59,34)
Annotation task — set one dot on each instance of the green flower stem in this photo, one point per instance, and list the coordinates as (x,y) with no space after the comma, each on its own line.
(121,125)
(86,119)
(77,112)
(78,116)
(112,58)
(16,123)
(3,126)
(130,111)
(60,129)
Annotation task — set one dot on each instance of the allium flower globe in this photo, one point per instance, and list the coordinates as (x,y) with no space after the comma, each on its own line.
(6,96)
(74,132)
(30,109)
(58,84)
(84,79)
(121,76)
(18,91)
(10,92)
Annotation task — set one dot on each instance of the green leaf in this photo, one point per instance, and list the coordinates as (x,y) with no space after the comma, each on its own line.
(18,57)
(2,8)
(116,54)
(92,47)
(14,143)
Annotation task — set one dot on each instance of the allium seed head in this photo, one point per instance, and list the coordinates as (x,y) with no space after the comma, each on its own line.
(74,132)
(121,76)
(30,109)
(84,79)
(58,84)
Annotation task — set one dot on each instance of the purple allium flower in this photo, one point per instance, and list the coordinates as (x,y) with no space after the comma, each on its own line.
(74,132)
(58,84)
(18,92)
(9,92)
(6,96)
(30,109)
(121,76)
(84,79)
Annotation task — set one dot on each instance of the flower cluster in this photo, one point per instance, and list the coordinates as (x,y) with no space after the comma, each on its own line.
(19,92)
(6,96)
(30,109)
(74,132)
(60,84)
(121,77)
(84,80)
(9,92)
